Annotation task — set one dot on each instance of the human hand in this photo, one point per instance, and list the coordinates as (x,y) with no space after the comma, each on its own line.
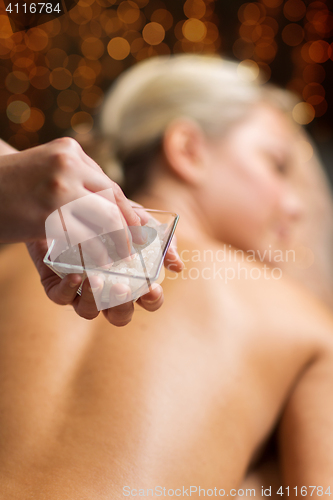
(36,182)
(64,291)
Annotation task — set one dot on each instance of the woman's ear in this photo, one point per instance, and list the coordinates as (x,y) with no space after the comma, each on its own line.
(185,150)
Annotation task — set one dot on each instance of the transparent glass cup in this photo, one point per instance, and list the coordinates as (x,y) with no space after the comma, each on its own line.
(137,271)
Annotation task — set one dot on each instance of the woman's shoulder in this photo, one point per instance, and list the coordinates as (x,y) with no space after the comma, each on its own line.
(248,289)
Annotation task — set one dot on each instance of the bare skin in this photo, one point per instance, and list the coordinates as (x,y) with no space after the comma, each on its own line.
(187,396)
(182,397)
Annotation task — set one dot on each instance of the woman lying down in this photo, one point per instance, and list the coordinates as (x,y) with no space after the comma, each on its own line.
(188,397)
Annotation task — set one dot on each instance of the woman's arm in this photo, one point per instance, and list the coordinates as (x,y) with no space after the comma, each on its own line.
(306,430)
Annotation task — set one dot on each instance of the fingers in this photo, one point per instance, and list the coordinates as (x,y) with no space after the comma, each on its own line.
(62,291)
(94,215)
(122,239)
(97,215)
(152,300)
(131,217)
(172,260)
(122,314)
(141,212)
(125,206)
(75,174)
(98,181)
(140,234)
(85,305)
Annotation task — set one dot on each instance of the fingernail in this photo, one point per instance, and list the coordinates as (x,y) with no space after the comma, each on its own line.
(154,286)
(121,296)
(94,289)
(152,301)
(73,284)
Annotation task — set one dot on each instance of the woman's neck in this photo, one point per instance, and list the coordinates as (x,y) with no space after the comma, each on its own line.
(171,196)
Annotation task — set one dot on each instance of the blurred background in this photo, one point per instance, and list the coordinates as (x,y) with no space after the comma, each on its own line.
(53,77)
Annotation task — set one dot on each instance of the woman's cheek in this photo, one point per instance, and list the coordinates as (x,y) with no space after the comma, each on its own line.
(266,209)
(273,196)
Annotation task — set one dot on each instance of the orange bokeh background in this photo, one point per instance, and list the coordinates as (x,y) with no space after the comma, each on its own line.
(53,77)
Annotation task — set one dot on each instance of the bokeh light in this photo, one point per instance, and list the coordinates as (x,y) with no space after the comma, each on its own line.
(59,71)
(194,8)
(303,113)
(36,39)
(292,34)
(251,13)
(313,93)
(313,73)
(242,49)
(318,51)
(18,111)
(55,58)
(68,100)
(60,78)
(194,30)
(92,48)
(40,77)
(19,97)
(17,82)
(119,48)
(248,70)
(153,33)
(92,97)
(163,17)
(128,12)
(272,4)
(35,121)
(294,10)
(82,122)
(84,77)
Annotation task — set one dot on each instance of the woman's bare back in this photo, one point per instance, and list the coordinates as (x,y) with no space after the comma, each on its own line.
(182,397)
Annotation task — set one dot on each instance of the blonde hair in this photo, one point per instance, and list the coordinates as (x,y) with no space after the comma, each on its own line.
(150,95)
(213,92)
